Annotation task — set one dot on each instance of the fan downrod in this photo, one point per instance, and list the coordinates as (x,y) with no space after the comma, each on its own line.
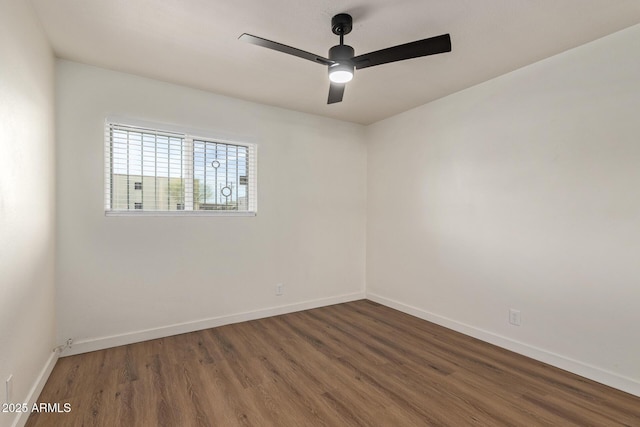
(341,24)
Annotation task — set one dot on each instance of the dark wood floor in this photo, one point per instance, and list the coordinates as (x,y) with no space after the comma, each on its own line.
(354,364)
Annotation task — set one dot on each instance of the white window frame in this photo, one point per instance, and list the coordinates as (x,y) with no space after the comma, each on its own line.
(189,135)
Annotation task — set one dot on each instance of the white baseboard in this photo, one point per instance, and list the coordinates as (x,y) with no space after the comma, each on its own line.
(99,343)
(36,389)
(574,366)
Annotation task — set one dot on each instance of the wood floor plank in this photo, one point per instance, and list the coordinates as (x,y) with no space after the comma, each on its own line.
(329,379)
(354,364)
(514,372)
(421,364)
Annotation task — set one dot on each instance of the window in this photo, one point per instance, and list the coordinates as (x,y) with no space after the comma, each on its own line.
(162,172)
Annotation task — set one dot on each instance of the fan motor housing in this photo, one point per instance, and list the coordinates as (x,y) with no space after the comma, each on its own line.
(341,52)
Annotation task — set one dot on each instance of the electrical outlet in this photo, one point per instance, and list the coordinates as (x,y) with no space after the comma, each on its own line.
(514,317)
(279,289)
(9,388)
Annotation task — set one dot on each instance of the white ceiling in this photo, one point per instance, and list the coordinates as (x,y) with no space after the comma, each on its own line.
(194,43)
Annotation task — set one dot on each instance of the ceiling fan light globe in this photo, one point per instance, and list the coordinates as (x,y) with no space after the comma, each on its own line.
(340,76)
(341,72)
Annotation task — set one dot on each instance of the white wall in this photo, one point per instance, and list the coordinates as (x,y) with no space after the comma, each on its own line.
(118,275)
(522,192)
(27,319)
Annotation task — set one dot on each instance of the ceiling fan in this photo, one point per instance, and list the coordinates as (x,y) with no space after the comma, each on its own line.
(342,60)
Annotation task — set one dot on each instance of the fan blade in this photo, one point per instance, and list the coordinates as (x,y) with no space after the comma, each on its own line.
(284,49)
(336,91)
(430,46)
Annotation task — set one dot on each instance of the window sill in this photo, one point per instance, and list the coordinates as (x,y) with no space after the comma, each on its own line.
(178,213)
